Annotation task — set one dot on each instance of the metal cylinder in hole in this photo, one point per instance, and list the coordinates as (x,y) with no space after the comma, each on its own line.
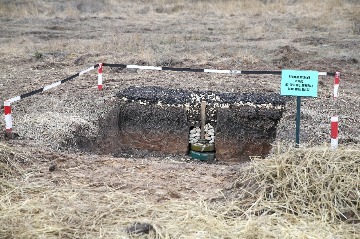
(203,119)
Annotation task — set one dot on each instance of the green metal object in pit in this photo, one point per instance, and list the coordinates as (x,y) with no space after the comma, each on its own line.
(202,156)
(199,147)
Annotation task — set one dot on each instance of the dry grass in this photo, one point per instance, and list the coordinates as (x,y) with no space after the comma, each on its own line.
(302,8)
(318,182)
(298,194)
(9,165)
(81,213)
(239,20)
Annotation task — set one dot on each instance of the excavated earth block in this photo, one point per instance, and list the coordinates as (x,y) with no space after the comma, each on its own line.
(135,128)
(158,120)
(153,128)
(244,132)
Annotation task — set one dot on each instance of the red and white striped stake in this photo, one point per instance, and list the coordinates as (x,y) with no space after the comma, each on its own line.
(100,69)
(334,131)
(335,119)
(8,119)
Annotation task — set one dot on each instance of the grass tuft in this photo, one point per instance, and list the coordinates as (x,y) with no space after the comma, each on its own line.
(317,182)
(10,159)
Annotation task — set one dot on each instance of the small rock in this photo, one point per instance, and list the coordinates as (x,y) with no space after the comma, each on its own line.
(139,227)
(52,167)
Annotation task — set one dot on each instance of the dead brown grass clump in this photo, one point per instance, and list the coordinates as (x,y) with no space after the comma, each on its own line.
(316,182)
(9,159)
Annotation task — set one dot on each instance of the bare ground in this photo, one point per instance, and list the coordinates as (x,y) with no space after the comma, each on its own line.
(161,178)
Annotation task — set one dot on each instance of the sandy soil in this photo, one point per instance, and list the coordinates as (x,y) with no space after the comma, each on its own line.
(37,51)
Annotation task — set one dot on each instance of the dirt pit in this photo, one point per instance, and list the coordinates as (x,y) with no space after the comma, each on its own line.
(158,120)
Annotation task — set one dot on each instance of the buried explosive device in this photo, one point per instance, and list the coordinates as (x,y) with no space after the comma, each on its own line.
(160,120)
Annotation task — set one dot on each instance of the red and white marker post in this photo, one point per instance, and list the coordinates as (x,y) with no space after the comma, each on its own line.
(8,119)
(335,119)
(334,131)
(100,69)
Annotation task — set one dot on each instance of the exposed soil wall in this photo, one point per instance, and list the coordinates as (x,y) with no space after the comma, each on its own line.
(145,127)
(245,131)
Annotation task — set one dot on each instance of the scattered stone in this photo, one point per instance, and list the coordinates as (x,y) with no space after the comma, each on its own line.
(209,131)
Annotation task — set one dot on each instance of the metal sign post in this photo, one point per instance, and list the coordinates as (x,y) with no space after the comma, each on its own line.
(299,83)
(298,105)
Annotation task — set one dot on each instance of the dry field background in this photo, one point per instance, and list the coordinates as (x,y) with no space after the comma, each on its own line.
(93,196)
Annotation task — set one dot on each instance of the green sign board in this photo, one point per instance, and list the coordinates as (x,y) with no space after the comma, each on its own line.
(299,83)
